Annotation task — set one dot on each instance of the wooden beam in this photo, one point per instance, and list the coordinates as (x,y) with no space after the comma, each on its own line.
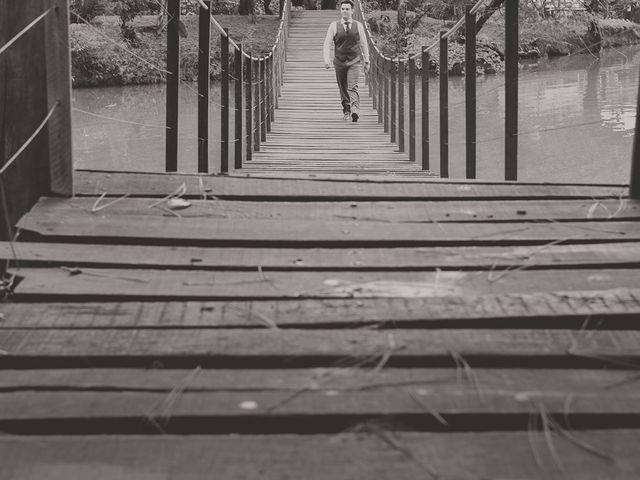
(24,105)
(173,82)
(58,60)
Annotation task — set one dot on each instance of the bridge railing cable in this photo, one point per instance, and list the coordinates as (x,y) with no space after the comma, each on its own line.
(387,76)
(257,82)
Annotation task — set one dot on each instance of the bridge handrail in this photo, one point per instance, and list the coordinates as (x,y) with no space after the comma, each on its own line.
(386,79)
(361,16)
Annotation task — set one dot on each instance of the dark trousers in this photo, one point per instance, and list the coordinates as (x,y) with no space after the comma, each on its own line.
(347,77)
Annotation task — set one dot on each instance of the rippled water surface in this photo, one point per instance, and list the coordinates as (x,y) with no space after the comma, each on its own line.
(576,115)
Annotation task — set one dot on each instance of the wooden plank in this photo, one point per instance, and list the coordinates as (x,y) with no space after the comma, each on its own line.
(288,348)
(144,184)
(414,392)
(58,60)
(445,258)
(175,284)
(264,232)
(369,453)
(563,309)
(412,211)
(440,385)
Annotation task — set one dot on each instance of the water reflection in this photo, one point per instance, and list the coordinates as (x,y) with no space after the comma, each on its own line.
(576,114)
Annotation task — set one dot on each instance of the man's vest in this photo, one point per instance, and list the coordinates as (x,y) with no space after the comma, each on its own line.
(347,44)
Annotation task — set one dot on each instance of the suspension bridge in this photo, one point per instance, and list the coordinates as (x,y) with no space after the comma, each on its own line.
(194,325)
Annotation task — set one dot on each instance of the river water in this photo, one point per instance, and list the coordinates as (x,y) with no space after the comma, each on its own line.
(576,122)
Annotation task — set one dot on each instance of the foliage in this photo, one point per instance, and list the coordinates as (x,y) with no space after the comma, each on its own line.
(87,9)
(127,10)
(97,61)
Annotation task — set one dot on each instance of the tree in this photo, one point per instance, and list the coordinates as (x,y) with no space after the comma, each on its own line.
(246,7)
(402,14)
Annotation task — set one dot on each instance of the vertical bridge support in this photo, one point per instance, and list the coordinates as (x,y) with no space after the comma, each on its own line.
(35,107)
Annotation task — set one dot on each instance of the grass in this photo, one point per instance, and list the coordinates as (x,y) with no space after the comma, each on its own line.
(101,57)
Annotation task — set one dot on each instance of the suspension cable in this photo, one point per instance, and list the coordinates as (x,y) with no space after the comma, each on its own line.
(24,30)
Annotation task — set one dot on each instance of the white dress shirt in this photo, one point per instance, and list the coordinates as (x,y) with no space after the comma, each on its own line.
(328,41)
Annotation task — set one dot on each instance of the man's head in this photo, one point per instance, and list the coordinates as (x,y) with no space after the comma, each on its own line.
(346,9)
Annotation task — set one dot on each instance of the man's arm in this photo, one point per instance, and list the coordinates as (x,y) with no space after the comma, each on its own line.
(364,46)
(328,40)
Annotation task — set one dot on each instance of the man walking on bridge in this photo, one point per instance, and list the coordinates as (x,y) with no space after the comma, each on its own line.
(350,42)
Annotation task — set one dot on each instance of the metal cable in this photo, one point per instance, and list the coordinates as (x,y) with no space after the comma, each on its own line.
(30,139)
(24,30)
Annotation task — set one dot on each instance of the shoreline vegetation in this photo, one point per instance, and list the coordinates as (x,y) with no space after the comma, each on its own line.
(100,56)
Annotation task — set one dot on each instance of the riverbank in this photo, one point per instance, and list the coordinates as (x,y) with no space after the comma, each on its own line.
(539,38)
(101,57)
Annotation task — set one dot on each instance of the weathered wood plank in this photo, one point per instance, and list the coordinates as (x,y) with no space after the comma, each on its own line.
(142,184)
(256,232)
(446,395)
(327,348)
(532,310)
(397,212)
(420,258)
(87,283)
(372,453)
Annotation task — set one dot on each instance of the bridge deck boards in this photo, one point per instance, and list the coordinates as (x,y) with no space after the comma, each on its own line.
(310,102)
(285,323)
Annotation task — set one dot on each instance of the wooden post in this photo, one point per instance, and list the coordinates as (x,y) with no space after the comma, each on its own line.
(58,58)
(511,90)
(224,102)
(173,79)
(272,101)
(412,109)
(35,90)
(380,82)
(470,90)
(204,50)
(238,143)
(373,82)
(425,109)
(385,113)
(444,106)
(394,100)
(256,105)
(276,79)
(401,106)
(249,107)
(263,100)
(634,183)
(267,93)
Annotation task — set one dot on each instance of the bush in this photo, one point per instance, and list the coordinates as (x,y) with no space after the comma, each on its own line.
(87,9)
(127,10)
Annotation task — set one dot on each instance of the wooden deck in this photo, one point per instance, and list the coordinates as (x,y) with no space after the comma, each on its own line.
(323,329)
(308,135)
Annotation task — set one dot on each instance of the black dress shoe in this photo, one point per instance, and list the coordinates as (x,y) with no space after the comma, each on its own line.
(354,117)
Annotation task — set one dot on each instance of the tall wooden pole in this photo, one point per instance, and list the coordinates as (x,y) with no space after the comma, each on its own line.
(412,109)
(238,90)
(204,50)
(470,91)
(173,78)
(425,109)
(401,75)
(634,183)
(444,106)
(249,107)
(393,126)
(224,109)
(511,90)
